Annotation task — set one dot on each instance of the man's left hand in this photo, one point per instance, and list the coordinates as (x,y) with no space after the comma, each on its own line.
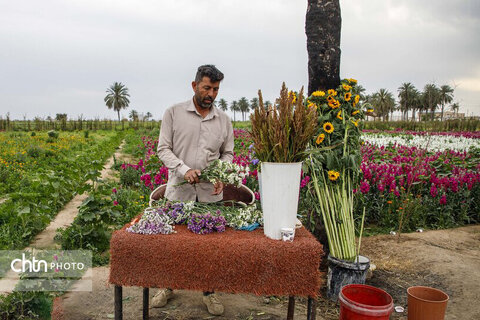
(217,188)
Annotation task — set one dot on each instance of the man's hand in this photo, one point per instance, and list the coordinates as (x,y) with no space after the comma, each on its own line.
(217,188)
(192,176)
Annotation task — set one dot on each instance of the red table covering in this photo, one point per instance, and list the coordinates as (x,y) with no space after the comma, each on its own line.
(232,261)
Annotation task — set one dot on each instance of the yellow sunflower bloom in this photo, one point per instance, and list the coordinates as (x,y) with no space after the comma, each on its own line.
(348,96)
(320,138)
(355,112)
(355,122)
(312,105)
(328,127)
(369,110)
(333,175)
(339,115)
(332,92)
(346,87)
(352,80)
(330,98)
(334,104)
(318,94)
(292,96)
(357,98)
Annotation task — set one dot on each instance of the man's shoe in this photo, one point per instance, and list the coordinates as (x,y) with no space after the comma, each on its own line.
(214,306)
(161,298)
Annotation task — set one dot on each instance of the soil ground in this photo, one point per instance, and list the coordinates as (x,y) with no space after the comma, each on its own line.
(446,259)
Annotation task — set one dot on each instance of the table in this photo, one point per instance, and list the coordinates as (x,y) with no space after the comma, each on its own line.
(232,261)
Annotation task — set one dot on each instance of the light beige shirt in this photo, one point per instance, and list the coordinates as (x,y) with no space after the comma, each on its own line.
(188,141)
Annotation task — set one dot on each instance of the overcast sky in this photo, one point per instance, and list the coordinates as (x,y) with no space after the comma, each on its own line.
(60,56)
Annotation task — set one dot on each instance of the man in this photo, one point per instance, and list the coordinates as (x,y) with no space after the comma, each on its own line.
(193,134)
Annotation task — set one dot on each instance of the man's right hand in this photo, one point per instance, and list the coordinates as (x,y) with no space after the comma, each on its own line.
(192,176)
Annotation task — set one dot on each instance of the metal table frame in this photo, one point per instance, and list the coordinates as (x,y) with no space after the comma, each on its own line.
(311,306)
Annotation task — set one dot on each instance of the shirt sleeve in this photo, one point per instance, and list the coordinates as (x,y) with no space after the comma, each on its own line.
(165,146)
(226,150)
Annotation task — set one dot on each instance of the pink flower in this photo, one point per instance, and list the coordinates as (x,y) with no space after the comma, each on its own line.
(114,190)
(257,195)
(433,191)
(443,199)
(364,187)
(115,203)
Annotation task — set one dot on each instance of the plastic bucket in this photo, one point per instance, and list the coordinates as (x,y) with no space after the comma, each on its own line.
(425,303)
(280,187)
(342,273)
(362,302)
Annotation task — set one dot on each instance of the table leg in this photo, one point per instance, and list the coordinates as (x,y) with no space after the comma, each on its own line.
(145,303)
(311,309)
(291,307)
(118,303)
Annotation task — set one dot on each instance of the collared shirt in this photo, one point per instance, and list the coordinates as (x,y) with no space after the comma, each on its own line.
(189,141)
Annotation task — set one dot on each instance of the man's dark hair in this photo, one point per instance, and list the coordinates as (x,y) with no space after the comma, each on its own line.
(208,70)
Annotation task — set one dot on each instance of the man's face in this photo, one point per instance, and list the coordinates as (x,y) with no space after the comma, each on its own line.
(205,92)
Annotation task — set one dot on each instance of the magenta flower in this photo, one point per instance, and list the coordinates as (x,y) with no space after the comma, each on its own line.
(115,203)
(364,187)
(443,200)
(114,190)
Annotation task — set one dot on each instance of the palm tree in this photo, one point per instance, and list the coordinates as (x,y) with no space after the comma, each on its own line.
(243,106)
(455,108)
(431,98)
(323,24)
(148,115)
(234,108)
(117,97)
(133,115)
(446,96)
(406,95)
(384,103)
(267,104)
(222,103)
(416,102)
(254,103)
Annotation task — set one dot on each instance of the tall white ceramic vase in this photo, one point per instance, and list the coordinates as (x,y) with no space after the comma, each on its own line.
(279,190)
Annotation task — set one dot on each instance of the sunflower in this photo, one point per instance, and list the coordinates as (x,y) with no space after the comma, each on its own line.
(339,115)
(357,98)
(334,104)
(355,112)
(346,87)
(330,98)
(355,122)
(348,95)
(320,138)
(369,110)
(333,175)
(318,94)
(312,105)
(328,127)
(352,80)
(292,96)
(332,92)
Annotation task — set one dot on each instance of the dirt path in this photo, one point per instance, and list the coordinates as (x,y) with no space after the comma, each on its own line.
(444,259)
(65,217)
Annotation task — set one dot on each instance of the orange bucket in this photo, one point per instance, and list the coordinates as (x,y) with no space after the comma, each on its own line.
(425,303)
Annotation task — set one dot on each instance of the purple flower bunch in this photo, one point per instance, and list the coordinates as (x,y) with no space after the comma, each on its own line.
(175,211)
(207,223)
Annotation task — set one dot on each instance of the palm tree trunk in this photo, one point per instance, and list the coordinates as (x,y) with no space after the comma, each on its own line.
(323,24)
(441,117)
(118,115)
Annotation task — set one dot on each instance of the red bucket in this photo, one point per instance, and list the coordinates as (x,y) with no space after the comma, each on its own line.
(362,302)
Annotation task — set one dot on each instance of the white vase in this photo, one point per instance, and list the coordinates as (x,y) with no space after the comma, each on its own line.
(279,190)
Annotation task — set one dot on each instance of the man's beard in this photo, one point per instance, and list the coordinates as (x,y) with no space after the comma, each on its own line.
(203,104)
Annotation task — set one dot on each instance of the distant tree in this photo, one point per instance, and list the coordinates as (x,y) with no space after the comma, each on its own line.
(267,104)
(455,108)
(117,97)
(148,115)
(222,104)
(384,103)
(61,116)
(416,102)
(234,108)
(244,106)
(323,24)
(431,98)
(446,96)
(406,96)
(254,103)
(133,115)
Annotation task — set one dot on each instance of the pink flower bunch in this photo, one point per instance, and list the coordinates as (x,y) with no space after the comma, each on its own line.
(465,134)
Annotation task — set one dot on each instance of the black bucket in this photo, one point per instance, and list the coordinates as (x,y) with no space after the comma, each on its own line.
(341,273)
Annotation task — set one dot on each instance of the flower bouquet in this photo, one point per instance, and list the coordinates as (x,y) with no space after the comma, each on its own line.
(223,171)
(281,133)
(335,168)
